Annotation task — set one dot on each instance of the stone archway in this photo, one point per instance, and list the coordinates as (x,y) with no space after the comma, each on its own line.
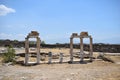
(81,36)
(33,34)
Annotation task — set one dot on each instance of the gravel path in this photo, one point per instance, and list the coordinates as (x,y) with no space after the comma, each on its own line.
(97,70)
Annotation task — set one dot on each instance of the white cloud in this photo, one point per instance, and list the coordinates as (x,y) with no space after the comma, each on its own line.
(12,36)
(5,10)
(55,38)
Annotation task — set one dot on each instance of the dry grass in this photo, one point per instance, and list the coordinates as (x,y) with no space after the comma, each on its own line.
(97,70)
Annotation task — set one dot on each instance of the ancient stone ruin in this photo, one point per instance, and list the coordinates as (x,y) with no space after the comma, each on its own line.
(33,34)
(81,36)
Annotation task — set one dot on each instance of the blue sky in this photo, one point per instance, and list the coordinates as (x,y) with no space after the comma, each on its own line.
(56,20)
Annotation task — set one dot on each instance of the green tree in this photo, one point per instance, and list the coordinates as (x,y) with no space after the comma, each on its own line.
(9,56)
(43,42)
(15,40)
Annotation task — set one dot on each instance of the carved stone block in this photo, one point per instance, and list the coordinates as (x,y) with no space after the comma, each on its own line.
(74,34)
(84,34)
(33,33)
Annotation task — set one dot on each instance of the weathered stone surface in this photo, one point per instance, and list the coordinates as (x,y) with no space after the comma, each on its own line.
(33,33)
(61,58)
(74,34)
(49,57)
(84,34)
(81,36)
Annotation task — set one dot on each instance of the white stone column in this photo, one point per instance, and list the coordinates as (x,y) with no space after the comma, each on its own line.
(81,49)
(91,49)
(26,51)
(71,50)
(61,57)
(49,57)
(38,50)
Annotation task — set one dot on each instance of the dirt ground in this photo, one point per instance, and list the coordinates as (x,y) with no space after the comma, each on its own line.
(96,70)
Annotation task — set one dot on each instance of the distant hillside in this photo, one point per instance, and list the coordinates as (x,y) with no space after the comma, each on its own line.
(14,43)
(98,47)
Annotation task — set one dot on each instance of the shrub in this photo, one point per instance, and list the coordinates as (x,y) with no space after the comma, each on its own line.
(9,56)
(43,42)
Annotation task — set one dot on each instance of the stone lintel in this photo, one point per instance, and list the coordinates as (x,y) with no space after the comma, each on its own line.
(84,34)
(80,36)
(74,34)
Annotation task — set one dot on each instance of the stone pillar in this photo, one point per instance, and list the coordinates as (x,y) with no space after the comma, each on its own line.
(38,50)
(61,57)
(91,49)
(26,51)
(71,50)
(81,49)
(49,57)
